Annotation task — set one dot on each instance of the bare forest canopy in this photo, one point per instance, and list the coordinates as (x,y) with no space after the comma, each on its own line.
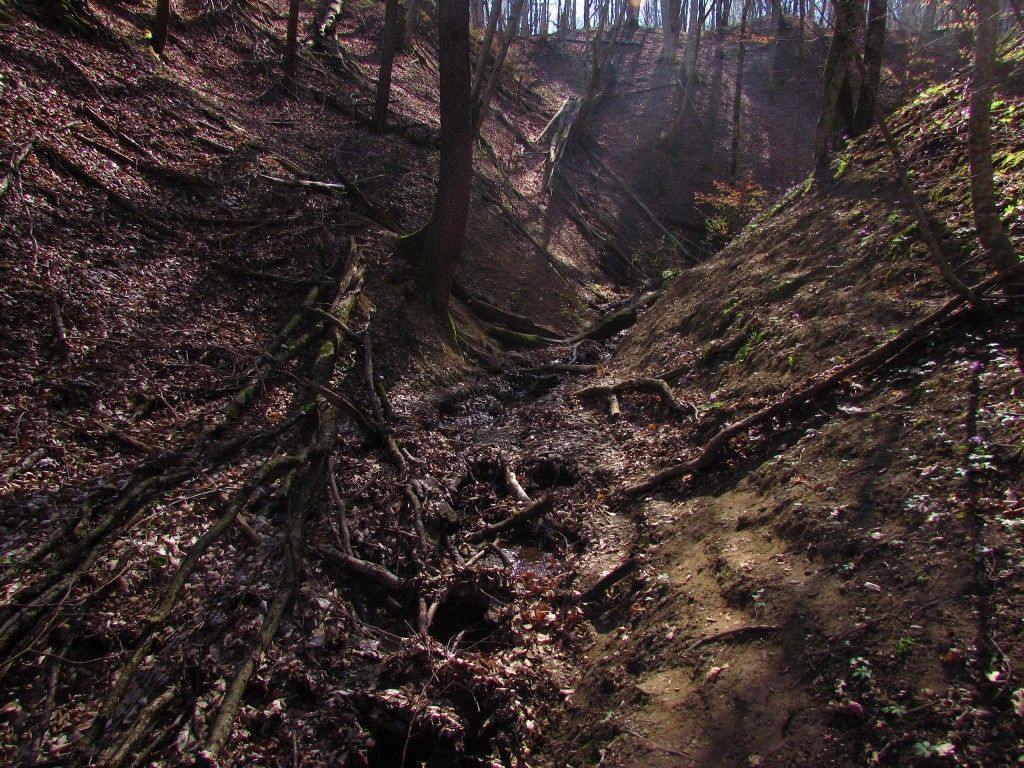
(511,383)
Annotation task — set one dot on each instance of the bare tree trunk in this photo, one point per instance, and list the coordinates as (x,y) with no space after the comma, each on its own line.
(291,46)
(874,48)
(161,20)
(802,6)
(773,44)
(389,44)
(668,41)
(485,50)
(482,106)
(595,86)
(737,99)
(994,241)
(1015,4)
(412,15)
(837,69)
(688,73)
(724,11)
(447,228)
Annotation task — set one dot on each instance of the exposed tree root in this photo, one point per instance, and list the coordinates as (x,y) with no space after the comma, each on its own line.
(372,572)
(119,751)
(713,448)
(266,277)
(303,495)
(147,165)
(729,634)
(610,579)
(72,168)
(19,158)
(266,473)
(659,387)
(562,368)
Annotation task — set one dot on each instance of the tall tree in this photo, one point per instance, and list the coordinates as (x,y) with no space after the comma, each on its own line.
(668,39)
(389,45)
(412,15)
(447,228)
(874,48)
(291,46)
(773,43)
(737,97)
(480,70)
(688,70)
(837,76)
(161,20)
(995,242)
(482,100)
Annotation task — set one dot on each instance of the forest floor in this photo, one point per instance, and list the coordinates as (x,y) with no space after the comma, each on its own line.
(843,588)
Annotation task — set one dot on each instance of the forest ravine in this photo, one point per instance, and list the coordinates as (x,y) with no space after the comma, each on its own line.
(711,458)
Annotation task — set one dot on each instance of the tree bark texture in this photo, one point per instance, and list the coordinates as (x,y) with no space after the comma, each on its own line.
(161,20)
(389,45)
(447,228)
(994,241)
(874,48)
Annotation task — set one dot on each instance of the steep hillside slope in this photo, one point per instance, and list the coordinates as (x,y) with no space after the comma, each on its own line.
(844,586)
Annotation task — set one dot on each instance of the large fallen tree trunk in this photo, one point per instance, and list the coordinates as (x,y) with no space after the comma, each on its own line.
(491,313)
(711,451)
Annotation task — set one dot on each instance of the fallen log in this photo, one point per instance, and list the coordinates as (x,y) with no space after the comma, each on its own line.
(658,387)
(613,577)
(521,517)
(517,339)
(617,321)
(487,311)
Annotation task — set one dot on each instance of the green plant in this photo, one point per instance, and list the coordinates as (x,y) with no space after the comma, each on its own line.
(860,669)
(754,338)
(904,647)
(716,228)
(731,304)
(839,166)
(653,258)
(926,749)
